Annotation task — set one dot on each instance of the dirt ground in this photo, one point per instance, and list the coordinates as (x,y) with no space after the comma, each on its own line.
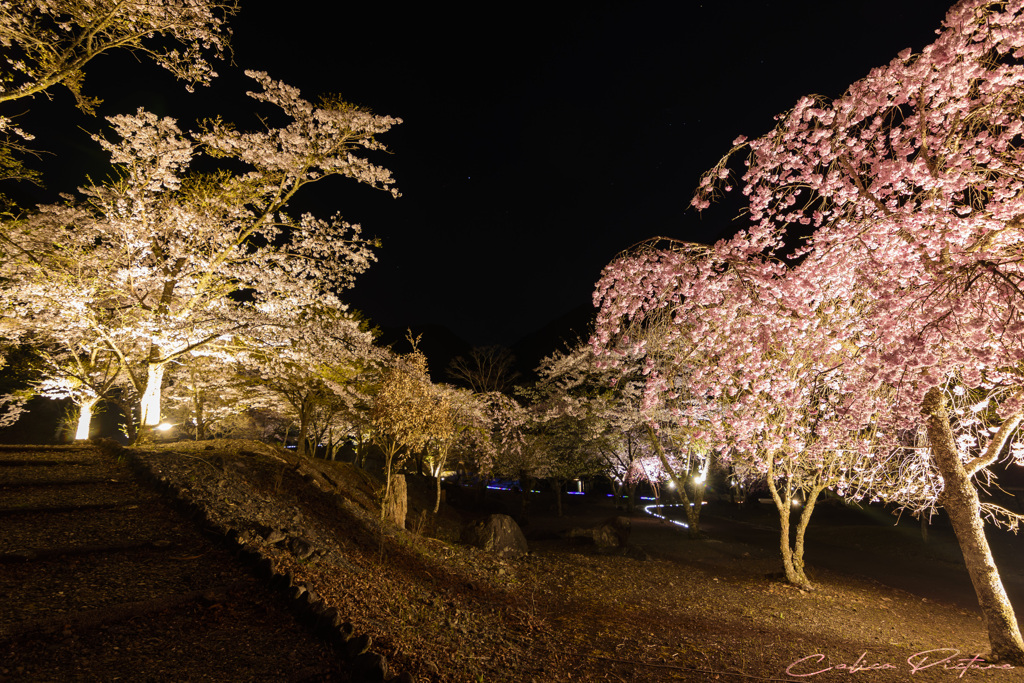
(887,606)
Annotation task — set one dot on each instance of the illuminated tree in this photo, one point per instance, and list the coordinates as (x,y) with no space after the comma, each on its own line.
(164,262)
(50,42)
(456,420)
(910,190)
(762,381)
(84,375)
(401,412)
(308,366)
(625,363)
(206,395)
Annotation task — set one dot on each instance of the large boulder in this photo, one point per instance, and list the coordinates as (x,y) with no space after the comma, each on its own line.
(497,534)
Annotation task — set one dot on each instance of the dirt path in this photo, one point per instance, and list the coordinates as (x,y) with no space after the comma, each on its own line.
(103,580)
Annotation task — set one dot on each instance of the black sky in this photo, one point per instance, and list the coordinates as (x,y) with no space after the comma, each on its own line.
(539,139)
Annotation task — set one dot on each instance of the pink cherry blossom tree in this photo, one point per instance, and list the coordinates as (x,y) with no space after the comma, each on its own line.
(908,197)
(636,434)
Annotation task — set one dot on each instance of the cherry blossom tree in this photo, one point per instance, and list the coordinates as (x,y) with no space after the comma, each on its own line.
(512,449)
(163,262)
(908,196)
(51,42)
(638,353)
(207,396)
(309,366)
(84,375)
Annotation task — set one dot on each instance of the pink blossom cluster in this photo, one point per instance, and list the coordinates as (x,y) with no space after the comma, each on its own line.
(883,258)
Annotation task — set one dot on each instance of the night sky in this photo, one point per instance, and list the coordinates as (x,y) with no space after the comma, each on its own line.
(539,140)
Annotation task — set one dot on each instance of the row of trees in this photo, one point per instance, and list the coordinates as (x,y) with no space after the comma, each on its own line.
(184,288)
(864,333)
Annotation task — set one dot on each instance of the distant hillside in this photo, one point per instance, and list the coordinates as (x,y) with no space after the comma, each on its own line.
(558,335)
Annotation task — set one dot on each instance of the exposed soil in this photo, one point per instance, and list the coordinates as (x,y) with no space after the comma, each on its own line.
(695,610)
(103,580)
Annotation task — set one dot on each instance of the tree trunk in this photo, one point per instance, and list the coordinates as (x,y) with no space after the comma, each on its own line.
(960,499)
(524,486)
(197,403)
(151,396)
(300,446)
(557,485)
(792,555)
(693,509)
(437,499)
(693,522)
(617,489)
(84,419)
(389,456)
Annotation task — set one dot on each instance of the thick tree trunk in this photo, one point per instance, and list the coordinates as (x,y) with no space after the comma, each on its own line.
(84,419)
(693,508)
(792,553)
(151,396)
(960,499)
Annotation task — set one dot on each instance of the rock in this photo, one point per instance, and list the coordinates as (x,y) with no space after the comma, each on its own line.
(397,504)
(300,547)
(636,552)
(358,645)
(611,534)
(370,667)
(497,534)
(275,536)
(330,619)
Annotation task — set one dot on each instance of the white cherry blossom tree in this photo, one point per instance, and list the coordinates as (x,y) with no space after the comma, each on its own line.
(51,42)
(163,261)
